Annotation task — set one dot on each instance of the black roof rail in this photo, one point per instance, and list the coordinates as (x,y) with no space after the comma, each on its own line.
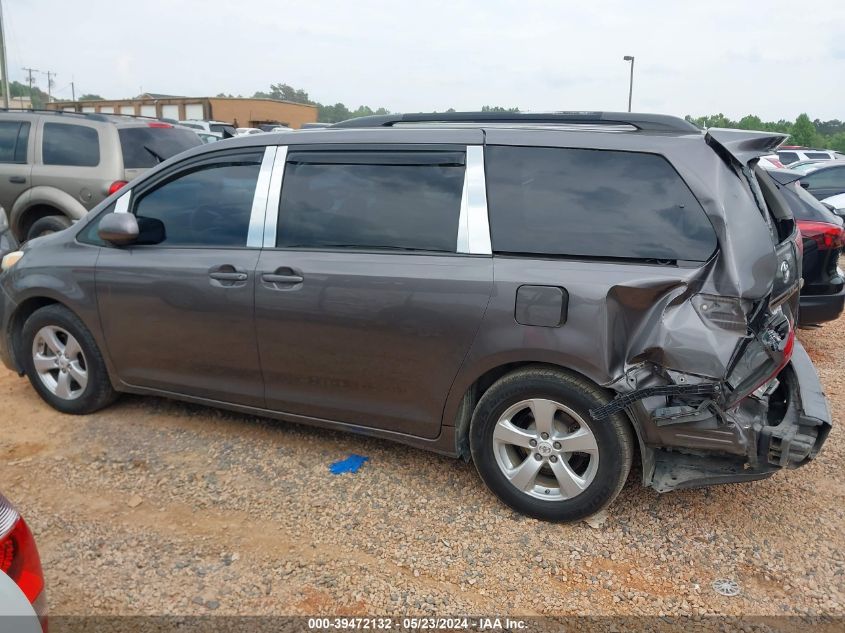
(94,116)
(43,111)
(644,122)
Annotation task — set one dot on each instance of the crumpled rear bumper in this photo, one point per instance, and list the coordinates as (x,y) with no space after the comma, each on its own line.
(799,436)
(787,434)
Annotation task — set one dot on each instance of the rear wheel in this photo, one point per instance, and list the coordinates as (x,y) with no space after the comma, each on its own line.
(47,225)
(537,449)
(63,362)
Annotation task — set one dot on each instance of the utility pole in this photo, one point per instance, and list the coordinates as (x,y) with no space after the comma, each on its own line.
(50,74)
(72,92)
(630,58)
(29,72)
(5,68)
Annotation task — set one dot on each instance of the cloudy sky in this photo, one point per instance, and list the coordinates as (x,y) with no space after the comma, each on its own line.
(769,57)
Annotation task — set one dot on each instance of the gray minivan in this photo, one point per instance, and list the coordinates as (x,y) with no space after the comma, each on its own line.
(550,295)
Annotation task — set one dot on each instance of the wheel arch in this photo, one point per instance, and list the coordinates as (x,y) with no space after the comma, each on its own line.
(472,395)
(40,202)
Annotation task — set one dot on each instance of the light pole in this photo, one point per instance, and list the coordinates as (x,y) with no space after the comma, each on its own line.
(630,58)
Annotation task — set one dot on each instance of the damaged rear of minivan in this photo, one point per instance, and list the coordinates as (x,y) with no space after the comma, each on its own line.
(685,319)
(739,399)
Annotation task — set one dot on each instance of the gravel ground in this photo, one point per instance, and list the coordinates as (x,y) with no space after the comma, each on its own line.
(156,507)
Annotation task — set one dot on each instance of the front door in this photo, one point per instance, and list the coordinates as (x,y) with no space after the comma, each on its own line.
(364,308)
(177,311)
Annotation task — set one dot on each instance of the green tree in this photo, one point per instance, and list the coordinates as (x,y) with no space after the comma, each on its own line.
(90,97)
(750,122)
(803,132)
(488,108)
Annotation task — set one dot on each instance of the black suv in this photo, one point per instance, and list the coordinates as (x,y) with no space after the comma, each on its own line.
(548,294)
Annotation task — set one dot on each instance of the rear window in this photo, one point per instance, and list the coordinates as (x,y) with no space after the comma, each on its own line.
(788,157)
(593,203)
(148,146)
(72,145)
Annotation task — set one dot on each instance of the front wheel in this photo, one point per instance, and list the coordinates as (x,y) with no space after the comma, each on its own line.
(536,447)
(63,362)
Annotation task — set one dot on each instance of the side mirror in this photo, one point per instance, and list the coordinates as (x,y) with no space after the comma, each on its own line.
(120,229)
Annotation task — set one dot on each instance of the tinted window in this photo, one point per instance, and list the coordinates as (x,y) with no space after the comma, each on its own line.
(148,146)
(14,136)
(823,155)
(592,203)
(833,177)
(209,205)
(74,145)
(371,205)
(788,157)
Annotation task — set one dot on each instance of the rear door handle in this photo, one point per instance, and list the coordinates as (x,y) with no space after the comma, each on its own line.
(228,276)
(281,279)
(17,179)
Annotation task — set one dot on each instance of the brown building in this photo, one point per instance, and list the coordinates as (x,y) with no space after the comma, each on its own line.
(242,112)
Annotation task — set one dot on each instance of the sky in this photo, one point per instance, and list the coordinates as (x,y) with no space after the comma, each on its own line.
(772,58)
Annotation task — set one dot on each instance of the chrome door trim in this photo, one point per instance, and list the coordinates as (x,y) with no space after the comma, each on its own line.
(473,225)
(271,219)
(257,217)
(121,205)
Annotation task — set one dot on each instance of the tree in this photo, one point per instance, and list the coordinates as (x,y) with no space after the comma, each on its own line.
(488,108)
(803,132)
(90,97)
(750,122)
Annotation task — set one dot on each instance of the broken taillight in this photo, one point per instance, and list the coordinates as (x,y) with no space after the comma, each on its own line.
(723,312)
(19,558)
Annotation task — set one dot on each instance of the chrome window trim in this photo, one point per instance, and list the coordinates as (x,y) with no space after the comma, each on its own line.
(122,203)
(258,215)
(474,225)
(271,219)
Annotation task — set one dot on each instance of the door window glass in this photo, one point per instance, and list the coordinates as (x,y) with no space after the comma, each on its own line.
(14,137)
(206,205)
(411,201)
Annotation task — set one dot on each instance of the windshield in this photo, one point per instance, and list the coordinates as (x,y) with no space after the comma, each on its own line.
(147,146)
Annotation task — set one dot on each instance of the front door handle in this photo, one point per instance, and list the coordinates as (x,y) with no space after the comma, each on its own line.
(228,276)
(17,179)
(271,278)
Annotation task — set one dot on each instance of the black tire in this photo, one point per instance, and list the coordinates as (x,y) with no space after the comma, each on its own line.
(98,392)
(613,438)
(46,225)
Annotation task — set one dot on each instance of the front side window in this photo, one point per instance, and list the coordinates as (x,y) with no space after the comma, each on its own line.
(593,203)
(818,155)
(372,200)
(71,145)
(205,205)
(14,137)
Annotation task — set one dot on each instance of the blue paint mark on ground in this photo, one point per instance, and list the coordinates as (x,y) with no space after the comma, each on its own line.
(351,464)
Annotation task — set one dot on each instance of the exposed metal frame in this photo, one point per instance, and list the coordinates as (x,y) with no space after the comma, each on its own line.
(258,215)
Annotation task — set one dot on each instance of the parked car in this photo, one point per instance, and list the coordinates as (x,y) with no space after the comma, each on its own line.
(823,237)
(770,161)
(209,137)
(836,204)
(55,166)
(23,599)
(226,130)
(281,128)
(246,131)
(806,166)
(526,289)
(790,154)
(8,243)
(826,180)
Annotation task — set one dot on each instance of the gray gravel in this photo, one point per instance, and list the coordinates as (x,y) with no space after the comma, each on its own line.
(154,507)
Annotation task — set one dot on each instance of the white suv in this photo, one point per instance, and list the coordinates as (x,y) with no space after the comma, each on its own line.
(789,156)
(217,127)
